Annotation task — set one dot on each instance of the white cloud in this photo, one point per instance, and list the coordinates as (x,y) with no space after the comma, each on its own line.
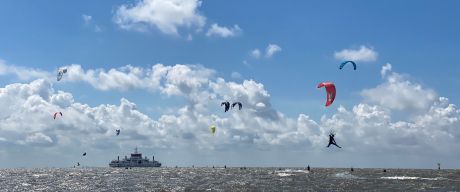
(30,120)
(399,93)
(386,68)
(219,31)
(89,21)
(166,15)
(23,73)
(236,75)
(369,126)
(255,53)
(362,54)
(272,49)
(87,18)
(37,138)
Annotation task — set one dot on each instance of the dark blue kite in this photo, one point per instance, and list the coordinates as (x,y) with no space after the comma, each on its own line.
(345,62)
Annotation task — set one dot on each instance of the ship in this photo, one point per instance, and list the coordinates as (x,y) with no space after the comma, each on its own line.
(135,160)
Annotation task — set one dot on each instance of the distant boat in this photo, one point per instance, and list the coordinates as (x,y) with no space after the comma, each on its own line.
(135,160)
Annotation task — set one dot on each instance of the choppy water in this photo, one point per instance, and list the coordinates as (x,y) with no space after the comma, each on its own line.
(230,179)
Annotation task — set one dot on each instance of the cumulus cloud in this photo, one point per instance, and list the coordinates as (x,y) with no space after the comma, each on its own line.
(224,32)
(362,54)
(28,118)
(166,15)
(272,49)
(255,53)
(365,127)
(399,93)
(37,138)
(385,69)
(23,73)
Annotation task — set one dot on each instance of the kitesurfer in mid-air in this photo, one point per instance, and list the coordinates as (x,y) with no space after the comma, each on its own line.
(332,140)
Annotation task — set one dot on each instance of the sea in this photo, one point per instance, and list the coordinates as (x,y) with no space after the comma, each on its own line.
(227,179)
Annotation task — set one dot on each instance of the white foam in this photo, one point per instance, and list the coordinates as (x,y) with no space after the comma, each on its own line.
(292,171)
(400,178)
(412,178)
(285,174)
(346,175)
(289,172)
(434,179)
(39,175)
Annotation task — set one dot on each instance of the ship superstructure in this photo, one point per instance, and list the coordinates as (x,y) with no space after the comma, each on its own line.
(135,160)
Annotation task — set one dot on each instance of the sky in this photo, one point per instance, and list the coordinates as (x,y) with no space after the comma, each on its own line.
(158,70)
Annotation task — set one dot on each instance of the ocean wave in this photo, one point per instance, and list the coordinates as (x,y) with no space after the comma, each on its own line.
(289,172)
(285,174)
(412,178)
(346,175)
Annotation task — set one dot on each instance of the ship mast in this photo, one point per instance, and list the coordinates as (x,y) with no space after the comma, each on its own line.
(135,150)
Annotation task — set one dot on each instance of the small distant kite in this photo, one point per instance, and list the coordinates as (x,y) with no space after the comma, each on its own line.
(84,154)
(345,62)
(55,114)
(237,103)
(330,90)
(213,129)
(226,104)
(118,131)
(60,73)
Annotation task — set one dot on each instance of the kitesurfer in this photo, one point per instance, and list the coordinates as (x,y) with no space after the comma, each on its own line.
(332,140)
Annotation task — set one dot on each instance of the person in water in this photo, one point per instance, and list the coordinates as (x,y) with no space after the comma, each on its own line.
(332,140)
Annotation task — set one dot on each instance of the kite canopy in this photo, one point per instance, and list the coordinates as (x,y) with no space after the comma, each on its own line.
(239,105)
(55,114)
(61,73)
(330,90)
(345,62)
(226,104)
(212,129)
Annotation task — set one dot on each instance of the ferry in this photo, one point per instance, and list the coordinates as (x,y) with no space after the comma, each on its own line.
(135,160)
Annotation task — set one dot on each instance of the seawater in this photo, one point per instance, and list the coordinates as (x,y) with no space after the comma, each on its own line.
(230,179)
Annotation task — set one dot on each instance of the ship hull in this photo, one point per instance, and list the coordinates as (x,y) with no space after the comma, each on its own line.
(133,165)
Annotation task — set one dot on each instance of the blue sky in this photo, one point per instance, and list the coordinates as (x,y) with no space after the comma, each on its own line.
(418,38)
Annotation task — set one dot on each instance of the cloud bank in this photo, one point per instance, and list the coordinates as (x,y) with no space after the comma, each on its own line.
(368,126)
